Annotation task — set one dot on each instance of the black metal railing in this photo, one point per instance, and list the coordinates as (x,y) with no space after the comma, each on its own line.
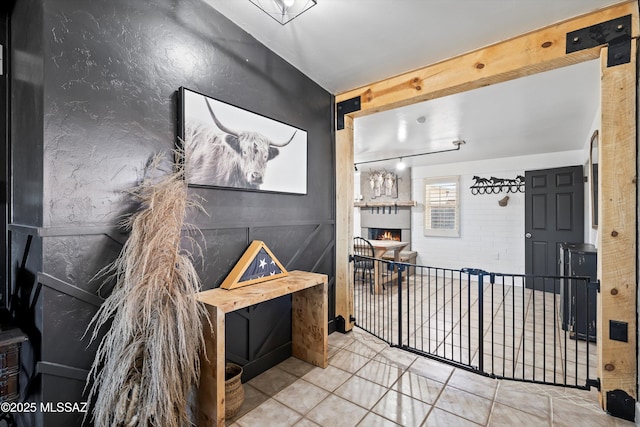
(529,328)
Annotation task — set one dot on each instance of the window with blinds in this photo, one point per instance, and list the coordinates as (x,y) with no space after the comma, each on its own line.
(442,206)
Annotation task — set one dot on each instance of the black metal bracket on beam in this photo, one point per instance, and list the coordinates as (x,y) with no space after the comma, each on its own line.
(620,404)
(594,285)
(345,107)
(618,331)
(341,324)
(615,33)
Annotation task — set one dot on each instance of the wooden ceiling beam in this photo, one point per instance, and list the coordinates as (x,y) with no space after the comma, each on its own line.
(527,54)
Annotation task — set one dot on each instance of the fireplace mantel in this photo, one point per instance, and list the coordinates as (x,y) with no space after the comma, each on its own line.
(370,204)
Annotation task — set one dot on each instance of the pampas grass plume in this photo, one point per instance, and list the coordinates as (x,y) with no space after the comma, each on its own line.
(148,360)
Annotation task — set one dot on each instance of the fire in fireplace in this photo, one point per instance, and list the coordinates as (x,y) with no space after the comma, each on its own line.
(385,234)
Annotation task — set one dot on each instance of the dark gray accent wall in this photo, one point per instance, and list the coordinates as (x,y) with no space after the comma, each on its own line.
(24,245)
(4,179)
(94,97)
(27,89)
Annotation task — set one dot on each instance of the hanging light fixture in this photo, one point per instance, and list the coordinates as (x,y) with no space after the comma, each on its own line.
(401,165)
(284,11)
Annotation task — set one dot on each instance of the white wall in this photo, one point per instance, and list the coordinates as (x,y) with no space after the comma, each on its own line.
(491,237)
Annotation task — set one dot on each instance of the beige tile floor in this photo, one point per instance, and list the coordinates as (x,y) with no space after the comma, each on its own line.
(368,383)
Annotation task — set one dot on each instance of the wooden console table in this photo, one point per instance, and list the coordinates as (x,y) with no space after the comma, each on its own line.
(309,331)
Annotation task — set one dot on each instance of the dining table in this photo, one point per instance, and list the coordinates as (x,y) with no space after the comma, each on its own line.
(380,248)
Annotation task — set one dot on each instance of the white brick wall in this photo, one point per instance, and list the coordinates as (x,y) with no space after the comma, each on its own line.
(491,236)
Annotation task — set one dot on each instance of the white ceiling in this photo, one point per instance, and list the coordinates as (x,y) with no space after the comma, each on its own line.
(345,44)
(543,113)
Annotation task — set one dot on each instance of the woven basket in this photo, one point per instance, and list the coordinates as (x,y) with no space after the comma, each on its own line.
(233,389)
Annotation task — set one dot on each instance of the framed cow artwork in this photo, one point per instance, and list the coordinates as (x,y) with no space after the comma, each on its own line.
(229,147)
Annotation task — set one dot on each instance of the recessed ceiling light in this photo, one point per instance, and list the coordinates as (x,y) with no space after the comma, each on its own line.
(402,131)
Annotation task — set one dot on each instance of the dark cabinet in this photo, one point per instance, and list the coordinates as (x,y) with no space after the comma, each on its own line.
(578,266)
(10,341)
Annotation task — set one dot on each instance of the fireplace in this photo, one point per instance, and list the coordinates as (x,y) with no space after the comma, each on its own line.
(385,234)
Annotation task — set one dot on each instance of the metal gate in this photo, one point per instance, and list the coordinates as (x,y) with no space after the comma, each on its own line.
(490,323)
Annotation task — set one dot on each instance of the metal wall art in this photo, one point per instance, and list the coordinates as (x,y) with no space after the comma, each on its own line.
(495,185)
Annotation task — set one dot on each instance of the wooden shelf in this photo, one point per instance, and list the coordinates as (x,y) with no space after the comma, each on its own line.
(405,204)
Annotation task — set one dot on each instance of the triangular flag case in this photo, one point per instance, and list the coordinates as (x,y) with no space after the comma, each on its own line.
(257,264)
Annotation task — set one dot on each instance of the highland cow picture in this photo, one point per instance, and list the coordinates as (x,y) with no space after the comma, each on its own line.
(229,147)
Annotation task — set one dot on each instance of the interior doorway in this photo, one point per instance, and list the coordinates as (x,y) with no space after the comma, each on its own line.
(617,163)
(554,214)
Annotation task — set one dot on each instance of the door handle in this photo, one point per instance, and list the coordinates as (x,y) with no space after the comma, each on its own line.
(528,235)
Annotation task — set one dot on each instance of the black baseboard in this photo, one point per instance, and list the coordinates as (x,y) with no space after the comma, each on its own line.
(332,326)
(256,367)
(263,363)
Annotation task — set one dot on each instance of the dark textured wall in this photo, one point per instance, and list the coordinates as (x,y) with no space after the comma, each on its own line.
(4,179)
(27,88)
(99,100)
(24,248)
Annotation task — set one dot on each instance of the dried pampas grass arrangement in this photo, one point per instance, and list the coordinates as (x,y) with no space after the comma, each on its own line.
(148,360)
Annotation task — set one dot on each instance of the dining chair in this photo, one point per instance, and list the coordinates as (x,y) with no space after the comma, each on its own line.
(363,259)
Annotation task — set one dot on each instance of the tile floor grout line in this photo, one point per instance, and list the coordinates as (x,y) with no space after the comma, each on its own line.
(524,387)
(330,393)
(388,389)
(444,385)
